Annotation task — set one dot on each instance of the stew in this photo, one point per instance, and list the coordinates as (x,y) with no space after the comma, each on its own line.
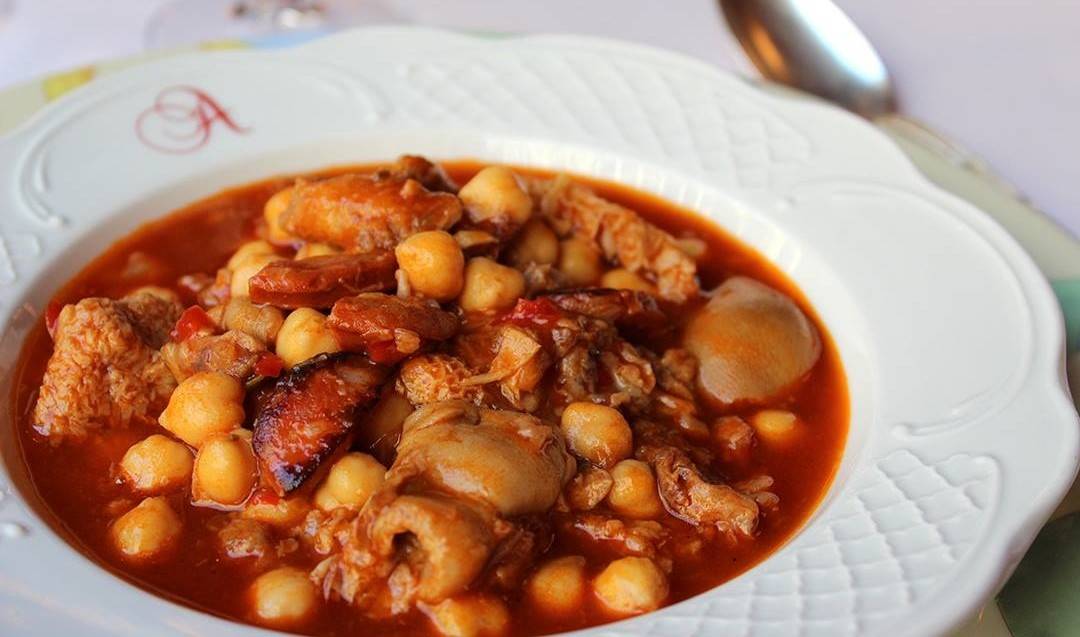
(370,399)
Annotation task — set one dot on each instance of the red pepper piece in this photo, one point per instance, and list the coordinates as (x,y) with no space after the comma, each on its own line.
(269,365)
(541,311)
(191,322)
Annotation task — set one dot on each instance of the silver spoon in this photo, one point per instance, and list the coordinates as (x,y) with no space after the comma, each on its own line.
(813,46)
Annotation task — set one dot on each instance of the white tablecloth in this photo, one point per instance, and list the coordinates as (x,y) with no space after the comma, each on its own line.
(998,76)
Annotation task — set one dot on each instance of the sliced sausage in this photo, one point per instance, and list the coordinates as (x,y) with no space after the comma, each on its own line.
(389,328)
(309,413)
(321,281)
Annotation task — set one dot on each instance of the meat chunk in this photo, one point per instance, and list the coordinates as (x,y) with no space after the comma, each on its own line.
(633,537)
(588,488)
(105,370)
(541,278)
(234,353)
(153,313)
(363,213)
(594,362)
(631,376)
(434,524)
(447,543)
(328,531)
(430,378)
(512,461)
(388,327)
(309,413)
(208,291)
(752,343)
(627,309)
(429,174)
(733,438)
(689,497)
(622,235)
(241,537)
(518,367)
(517,552)
(320,281)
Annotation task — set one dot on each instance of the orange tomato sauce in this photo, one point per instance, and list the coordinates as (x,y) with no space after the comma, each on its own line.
(78,484)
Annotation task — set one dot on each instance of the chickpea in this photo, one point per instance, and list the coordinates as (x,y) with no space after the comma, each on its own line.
(633,493)
(350,483)
(382,428)
(579,261)
(490,286)
(147,531)
(597,433)
(623,279)
(225,471)
(470,616)
(309,250)
(536,243)
(275,206)
(631,585)
(284,512)
(496,193)
(202,405)
(434,264)
(241,275)
(558,587)
(304,334)
(774,425)
(248,251)
(283,597)
(156,464)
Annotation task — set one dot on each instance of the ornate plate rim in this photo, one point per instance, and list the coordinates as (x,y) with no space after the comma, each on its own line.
(769,219)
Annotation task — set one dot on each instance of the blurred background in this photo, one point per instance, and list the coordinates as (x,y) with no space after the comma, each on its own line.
(998,77)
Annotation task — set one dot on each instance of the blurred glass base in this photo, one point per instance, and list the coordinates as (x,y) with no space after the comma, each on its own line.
(184,22)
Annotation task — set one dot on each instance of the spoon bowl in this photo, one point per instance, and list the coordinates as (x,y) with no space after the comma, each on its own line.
(813,46)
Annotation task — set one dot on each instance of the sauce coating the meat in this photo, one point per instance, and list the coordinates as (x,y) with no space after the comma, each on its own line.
(706,518)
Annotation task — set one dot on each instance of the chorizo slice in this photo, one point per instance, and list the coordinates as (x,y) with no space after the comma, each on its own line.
(308,414)
(320,281)
(362,213)
(388,328)
(631,309)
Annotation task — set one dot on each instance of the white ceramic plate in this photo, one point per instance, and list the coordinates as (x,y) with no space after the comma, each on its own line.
(962,435)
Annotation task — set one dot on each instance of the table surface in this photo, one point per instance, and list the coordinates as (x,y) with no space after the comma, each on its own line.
(997,76)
